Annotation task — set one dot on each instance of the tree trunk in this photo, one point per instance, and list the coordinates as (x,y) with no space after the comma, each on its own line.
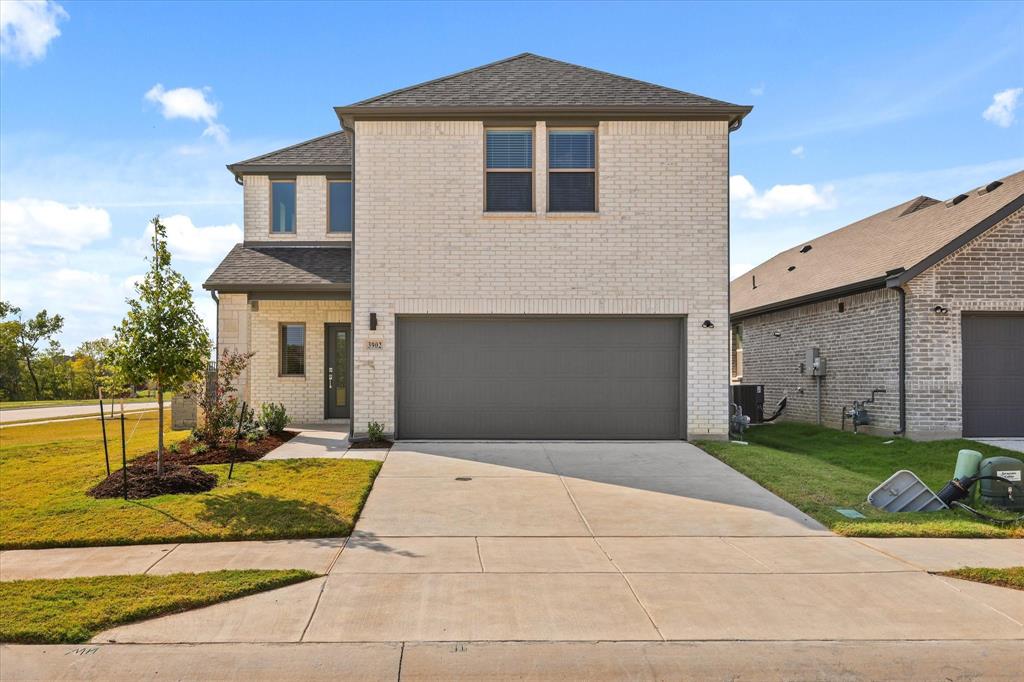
(32,373)
(160,432)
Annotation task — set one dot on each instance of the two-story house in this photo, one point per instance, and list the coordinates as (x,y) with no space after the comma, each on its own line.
(528,249)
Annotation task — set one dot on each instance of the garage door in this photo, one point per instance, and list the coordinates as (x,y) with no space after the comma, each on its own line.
(591,378)
(993,382)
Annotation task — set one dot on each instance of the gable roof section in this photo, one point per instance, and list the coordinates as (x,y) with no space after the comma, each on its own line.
(897,243)
(252,268)
(325,154)
(529,83)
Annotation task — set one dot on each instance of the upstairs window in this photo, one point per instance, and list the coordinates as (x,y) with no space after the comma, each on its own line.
(509,171)
(572,171)
(293,350)
(282,206)
(339,206)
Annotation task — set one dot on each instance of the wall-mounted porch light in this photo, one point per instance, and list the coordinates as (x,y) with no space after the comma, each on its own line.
(373,321)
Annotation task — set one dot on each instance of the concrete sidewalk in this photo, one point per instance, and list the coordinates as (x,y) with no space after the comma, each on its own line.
(317,555)
(473,542)
(529,661)
(34,413)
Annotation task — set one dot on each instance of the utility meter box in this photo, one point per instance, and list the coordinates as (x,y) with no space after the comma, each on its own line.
(998,493)
(814,364)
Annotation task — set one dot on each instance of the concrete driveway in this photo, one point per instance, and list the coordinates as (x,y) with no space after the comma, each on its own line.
(563,542)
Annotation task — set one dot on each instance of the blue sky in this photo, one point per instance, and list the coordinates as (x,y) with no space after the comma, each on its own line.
(111,113)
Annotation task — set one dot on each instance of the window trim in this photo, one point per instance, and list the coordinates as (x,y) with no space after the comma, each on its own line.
(270,204)
(594,170)
(280,349)
(532,129)
(352,220)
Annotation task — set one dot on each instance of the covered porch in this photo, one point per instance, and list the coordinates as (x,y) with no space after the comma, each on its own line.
(291,306)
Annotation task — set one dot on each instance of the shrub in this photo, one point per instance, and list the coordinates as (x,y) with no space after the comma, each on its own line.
(199,448)
(375,430)
(273,417)
(220,404)
(173,448)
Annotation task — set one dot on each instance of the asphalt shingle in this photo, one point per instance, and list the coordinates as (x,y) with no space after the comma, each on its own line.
(282,268)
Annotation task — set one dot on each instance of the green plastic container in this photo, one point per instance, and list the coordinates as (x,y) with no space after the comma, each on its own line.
(997,493)
(968,463)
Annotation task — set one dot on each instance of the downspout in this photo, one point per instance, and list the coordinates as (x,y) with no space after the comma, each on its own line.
(903,360)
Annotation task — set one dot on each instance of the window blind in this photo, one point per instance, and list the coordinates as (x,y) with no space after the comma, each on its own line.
(571,149)
(293,349)
(509,149)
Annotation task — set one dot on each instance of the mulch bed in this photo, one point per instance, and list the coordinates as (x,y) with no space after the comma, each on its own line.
(247,452)
(143,481)
(382,444)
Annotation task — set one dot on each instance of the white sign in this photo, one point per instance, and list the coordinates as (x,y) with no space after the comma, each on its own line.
(1009,475)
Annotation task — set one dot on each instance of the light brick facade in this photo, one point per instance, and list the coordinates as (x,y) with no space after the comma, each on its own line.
(861,344)
(310,211)
(245,325)
(658,246)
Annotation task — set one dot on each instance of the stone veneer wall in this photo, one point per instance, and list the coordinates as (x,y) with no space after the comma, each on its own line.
(310,210)
(659,245)
(860,345)
(986,275)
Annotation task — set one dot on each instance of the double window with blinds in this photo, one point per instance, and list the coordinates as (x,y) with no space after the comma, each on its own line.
(572,170)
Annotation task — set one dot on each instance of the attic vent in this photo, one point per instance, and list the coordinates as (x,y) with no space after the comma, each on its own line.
(791,268)
(993,185)
(753,281)
(806,249)
(957,199)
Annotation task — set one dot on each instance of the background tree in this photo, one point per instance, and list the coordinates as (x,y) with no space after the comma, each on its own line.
(29,335)
(10,368)
(162,339)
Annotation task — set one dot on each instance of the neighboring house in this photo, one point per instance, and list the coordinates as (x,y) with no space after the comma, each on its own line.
(528,249)
(924,300)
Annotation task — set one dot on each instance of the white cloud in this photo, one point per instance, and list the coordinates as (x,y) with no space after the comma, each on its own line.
(197,244)
(192,104)
(27,27)
(798,151)
(41,222)
(757,90)
(780,199)
(1003,109)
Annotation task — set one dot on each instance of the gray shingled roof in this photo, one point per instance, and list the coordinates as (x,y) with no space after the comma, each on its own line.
(332,151)
(283,268)
(903,238)
(529,80)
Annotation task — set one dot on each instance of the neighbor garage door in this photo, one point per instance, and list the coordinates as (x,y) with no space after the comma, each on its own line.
(993,389)
(540,378)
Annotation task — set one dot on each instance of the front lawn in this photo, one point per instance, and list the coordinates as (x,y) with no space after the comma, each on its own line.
(73,610)
(819,469)
(46,469)
(1012,577)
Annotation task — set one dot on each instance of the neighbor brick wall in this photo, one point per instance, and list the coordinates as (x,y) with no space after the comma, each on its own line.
(658,247)
(233,331)
(860,345)
(310,210)
(303,397)
(985,275)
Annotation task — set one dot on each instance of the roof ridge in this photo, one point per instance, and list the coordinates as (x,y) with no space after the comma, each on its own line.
(550,60)
(290,147)
(441,79)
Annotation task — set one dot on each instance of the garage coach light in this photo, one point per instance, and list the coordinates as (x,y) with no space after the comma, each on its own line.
(939,310)
(708,324)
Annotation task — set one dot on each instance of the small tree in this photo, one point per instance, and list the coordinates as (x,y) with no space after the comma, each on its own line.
(162,339)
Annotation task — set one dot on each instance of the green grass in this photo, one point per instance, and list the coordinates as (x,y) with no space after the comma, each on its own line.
(46,469)
(75,609)
(23,404)
(818,469)
(1012,577)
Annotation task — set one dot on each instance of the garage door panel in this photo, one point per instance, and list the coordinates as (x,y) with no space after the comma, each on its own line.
(993,375)
(539,378)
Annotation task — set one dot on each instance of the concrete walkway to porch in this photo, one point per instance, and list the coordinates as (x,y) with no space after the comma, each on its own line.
(326,440)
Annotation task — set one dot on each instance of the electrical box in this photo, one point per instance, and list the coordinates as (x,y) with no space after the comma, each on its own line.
(814,364)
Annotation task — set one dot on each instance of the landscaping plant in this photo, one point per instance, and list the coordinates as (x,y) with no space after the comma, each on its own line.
(162,339)
(273,417)
(219,404)
(375,431)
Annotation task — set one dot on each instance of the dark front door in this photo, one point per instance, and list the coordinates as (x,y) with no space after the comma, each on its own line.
(336,374)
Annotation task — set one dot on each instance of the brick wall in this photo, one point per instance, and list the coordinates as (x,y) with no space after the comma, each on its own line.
(985,275)
(658,246)
(310,210)
(302,396)
(860,345)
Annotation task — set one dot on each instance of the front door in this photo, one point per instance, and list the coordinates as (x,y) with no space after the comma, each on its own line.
(336,375)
